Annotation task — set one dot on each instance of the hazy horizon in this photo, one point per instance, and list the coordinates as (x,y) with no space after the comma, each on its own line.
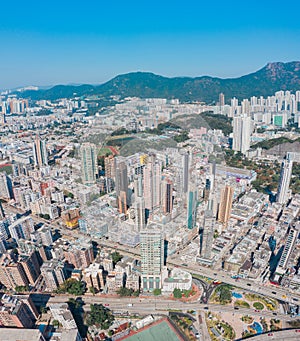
(47,86)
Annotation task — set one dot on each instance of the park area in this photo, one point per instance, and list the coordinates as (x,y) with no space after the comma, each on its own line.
(228,295)
(232,326)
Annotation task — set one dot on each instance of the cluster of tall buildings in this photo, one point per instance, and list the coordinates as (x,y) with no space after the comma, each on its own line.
(146,188)
(259,112)
(19,271)
(13,105)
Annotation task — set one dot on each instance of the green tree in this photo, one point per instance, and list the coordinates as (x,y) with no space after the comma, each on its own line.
(125,292)
(99,315)
(182,137)
(116,257)
(74,304)
(224,294)
(71,286)
(177,293)
(21,288)
(43,310)
(187,293)
(55,323)
(156,292)
(70,195)
(92,290)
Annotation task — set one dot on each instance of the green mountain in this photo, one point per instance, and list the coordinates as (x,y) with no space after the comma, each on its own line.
(264,82)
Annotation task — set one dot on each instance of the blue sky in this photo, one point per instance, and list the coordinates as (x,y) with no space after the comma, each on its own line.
(60,42)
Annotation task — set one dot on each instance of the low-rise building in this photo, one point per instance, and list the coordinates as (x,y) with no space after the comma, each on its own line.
(178,279)
(93,276)
(62,313)
(9,334)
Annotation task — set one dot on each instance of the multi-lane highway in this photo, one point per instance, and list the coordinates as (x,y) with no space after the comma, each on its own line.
(151,304)
(275,292)
(283,294)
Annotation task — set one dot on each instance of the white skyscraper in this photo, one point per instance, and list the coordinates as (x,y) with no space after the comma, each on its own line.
(152,184)
(140,213)
(152,257)
(185,172)
(241,133)
(207,233)
(139,204)
(285,178)
(89,167)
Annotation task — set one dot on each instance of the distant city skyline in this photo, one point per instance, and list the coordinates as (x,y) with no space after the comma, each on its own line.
(76,42)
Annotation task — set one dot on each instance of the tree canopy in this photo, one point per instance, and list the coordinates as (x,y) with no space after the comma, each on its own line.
(100,315)
(71,286)
(177,293)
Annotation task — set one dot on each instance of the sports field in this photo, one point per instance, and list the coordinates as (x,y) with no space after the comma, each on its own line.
(160,331)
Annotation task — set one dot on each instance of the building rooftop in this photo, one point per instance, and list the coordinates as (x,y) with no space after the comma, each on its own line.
(18,334)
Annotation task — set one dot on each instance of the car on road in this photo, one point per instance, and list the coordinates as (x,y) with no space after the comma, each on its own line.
(275,314)
(295,299)
(297,330)
(206,308)
(236,308)
(216,282)
(106,305)
(270,334)
(257,311)
(274,293)
(249,285)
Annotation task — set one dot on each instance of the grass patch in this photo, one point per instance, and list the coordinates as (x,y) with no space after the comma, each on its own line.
(270,304)
(223,328)
(104,151)
(247,319)
(240,303)
(223,294)
(7,169)
(203,278)
(252,297)
(258,306)
(229,333)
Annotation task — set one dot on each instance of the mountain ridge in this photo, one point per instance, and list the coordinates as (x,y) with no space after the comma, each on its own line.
(263,82)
